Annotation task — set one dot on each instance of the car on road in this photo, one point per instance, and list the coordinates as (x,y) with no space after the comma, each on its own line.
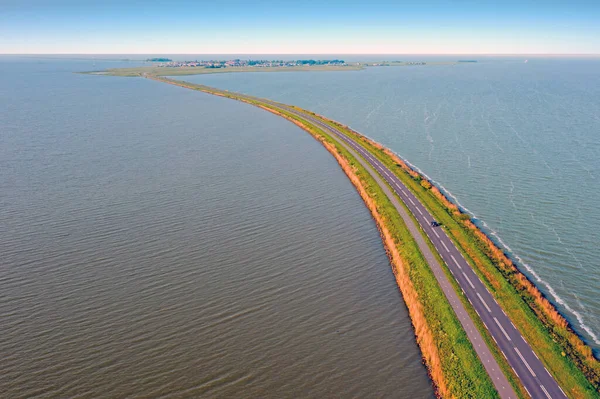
(435,223)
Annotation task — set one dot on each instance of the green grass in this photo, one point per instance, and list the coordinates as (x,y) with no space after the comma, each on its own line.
(464,373)
(500,359)
(544,338)
(462,369)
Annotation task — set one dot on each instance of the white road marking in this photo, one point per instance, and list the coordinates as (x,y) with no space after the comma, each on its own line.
(502,328)
(546,392)
(525,361)
(470,283)
(447,250)
(481,299)
(454,259)
(420,213)
(484,304)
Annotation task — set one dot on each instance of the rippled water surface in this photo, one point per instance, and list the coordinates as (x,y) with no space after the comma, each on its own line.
(517,143)
(159,242)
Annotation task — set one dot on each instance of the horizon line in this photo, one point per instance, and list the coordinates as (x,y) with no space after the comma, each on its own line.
(320,53)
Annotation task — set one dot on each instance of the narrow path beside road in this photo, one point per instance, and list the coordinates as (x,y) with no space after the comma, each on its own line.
(527,366)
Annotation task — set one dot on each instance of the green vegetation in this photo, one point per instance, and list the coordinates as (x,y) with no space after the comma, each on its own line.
(495,350)
(574,367)
(462,369)
(159,60)
(562,352)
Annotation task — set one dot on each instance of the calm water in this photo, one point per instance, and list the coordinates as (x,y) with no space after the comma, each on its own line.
(515,143)
(160,242)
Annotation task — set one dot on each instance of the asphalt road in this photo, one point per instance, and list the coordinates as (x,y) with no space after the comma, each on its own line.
(534,376)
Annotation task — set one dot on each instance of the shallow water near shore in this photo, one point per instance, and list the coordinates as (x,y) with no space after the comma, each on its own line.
(516,143)
(161,242)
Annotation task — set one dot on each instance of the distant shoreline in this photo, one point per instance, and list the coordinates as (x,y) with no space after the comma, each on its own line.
(184,70)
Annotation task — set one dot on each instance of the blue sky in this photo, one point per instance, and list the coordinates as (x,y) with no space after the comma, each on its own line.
(307,26)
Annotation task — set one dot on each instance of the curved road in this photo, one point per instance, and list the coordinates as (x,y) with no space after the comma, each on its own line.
(534,376)
(527,366)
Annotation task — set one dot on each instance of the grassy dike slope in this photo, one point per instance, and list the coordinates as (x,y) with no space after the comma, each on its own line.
(458,372)
(563,353)
(452,363)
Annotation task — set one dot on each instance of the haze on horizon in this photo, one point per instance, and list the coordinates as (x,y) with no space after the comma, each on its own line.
(308,27)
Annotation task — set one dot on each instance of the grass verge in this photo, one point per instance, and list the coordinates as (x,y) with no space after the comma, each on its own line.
(563,353)
(448,354)
(456,368)
(560,349)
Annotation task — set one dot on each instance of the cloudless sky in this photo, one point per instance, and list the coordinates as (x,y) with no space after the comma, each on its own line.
(301,26)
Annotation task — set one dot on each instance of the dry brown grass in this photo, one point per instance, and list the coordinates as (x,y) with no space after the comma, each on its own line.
(424,337)
(555,323)
(580,352)
(542,307)
(423,334)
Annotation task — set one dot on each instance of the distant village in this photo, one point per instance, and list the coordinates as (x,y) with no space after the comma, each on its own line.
(167,63)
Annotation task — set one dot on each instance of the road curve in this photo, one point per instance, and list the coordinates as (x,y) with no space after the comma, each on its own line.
(534,376)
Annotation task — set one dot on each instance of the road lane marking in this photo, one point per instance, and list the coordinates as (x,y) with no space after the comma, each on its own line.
(502,328)
(420,213)
(411,201)
(484,304)
(469,280)
(454,259)
(447,250)
(546,392)
(525,362)
(436,234)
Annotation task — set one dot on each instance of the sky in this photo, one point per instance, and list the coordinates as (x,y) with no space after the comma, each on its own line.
(299,27)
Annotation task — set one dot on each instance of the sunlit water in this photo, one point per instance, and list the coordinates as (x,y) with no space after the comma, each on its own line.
(160,242)
(516,143)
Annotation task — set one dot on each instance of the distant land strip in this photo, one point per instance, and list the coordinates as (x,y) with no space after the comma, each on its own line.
(167,67)
(453,365)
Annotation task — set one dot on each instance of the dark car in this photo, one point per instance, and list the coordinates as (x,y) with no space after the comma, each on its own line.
(435,224)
